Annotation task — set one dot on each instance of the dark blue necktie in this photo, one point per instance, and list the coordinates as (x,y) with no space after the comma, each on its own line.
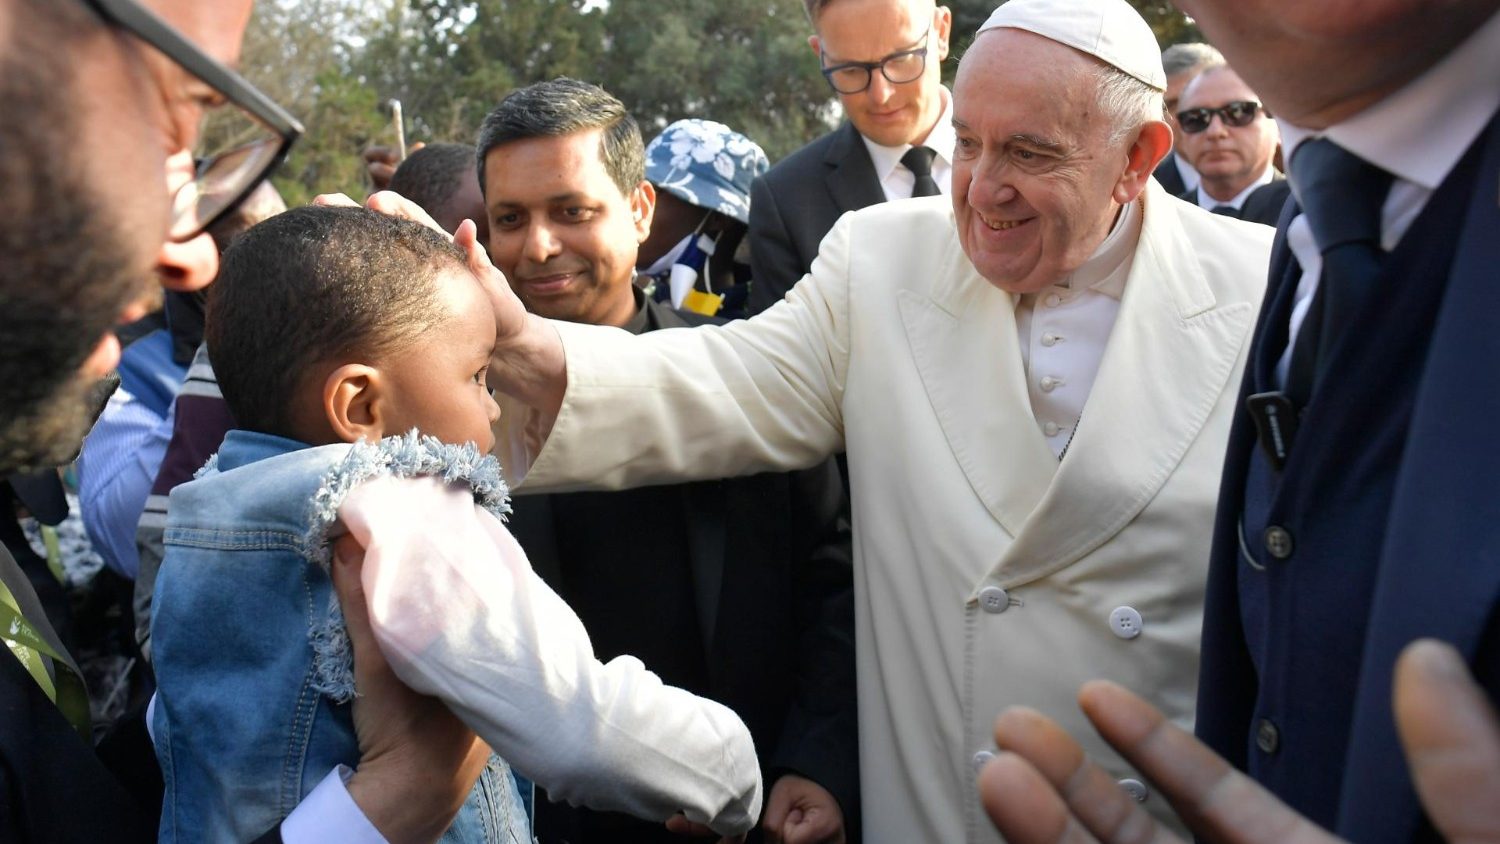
(1226,211)
(1341,195)
(919,161)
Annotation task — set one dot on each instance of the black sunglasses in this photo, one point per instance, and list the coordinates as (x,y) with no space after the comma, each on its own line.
(263,131)
(1195,120)
(898,69)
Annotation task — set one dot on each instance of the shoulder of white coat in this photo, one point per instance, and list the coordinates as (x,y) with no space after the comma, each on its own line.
(1234,255)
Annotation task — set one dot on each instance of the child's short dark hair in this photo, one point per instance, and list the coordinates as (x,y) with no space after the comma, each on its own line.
(314,285)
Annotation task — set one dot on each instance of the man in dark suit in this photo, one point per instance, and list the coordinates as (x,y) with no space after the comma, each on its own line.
(1182,63)
(884,60)
(1357,511)
(1230,140)
(112,117)
(739,590)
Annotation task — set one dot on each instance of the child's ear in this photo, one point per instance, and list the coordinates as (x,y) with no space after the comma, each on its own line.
(353,402)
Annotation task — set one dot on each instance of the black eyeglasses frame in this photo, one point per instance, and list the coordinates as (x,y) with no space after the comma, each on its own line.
(870,67)
(1246,109)
(158,34)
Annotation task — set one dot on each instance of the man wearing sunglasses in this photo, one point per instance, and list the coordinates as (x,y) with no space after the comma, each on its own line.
(884,60)
(1230,140)
(105,100)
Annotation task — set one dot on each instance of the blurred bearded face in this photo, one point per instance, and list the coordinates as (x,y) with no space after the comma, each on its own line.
(67,274)
(89,173)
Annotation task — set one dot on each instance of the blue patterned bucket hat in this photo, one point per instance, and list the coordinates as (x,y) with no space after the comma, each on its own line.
(706,164)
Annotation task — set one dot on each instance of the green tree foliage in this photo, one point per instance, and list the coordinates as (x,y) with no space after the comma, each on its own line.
(337,63)
(745,63)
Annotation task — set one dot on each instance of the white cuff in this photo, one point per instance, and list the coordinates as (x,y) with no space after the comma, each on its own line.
(330,814)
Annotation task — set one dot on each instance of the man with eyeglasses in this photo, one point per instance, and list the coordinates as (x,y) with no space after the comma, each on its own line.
(884,60)
(106,98)
(1230,140)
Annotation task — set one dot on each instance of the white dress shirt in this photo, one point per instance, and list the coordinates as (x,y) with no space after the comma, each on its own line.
(1190,176)
(1417,134)
(1064,328)
(895,179)
(1208,203)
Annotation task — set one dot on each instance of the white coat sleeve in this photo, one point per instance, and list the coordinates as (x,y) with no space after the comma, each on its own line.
(461,615)
(763,394)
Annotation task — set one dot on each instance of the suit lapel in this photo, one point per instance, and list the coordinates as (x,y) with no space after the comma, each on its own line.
(851,176)
(1168,362)
(704,507)
(964,341)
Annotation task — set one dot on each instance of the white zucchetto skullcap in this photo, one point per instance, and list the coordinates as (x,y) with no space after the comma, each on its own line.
(1109,30)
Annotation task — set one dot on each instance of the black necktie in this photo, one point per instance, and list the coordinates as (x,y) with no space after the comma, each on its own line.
(1341,195)
(919,161)
(1227,211)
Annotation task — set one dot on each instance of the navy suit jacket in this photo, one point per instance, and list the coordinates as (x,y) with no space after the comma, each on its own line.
(795,203)
(1439,566)
(1170,177)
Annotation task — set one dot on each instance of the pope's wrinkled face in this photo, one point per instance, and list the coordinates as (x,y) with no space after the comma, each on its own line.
(1035,173)
(890,114)
(1318,63)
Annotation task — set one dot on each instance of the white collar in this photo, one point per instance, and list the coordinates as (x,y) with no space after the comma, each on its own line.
(1106,270)
(1238,200)
(1188,172)
(1421,131)
(940,140)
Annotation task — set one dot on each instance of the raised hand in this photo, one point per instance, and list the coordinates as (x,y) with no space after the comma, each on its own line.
(1041,789)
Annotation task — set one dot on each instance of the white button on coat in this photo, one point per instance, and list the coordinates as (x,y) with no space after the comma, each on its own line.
(980,759)
(1050,383)
(1052,300)
(1125,622)
(1051,429)
(1050,340)
(994,599)
(1136,789)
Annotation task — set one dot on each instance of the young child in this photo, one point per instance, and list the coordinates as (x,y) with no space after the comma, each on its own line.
(339,334)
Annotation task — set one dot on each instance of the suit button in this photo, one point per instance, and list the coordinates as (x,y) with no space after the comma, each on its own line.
(980,759)
(1050,383)
(1125,622)
(1135,788)
(1267,737)
(1052,300)
(1049,339)
(994,599)
(1051,429)
(1278,542)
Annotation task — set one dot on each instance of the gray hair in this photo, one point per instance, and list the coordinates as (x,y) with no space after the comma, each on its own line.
(1180,58)
(1126,102)
(561,107)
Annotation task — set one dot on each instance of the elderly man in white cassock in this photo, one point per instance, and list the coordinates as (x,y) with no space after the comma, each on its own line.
(1033,379)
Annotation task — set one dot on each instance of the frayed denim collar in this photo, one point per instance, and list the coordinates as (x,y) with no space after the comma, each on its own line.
(409,456)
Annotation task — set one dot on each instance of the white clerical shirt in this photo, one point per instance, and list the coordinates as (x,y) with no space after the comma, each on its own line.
(1064,328)
(897,181)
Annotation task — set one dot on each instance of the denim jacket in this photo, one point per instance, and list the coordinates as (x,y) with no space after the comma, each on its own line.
(254,670)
